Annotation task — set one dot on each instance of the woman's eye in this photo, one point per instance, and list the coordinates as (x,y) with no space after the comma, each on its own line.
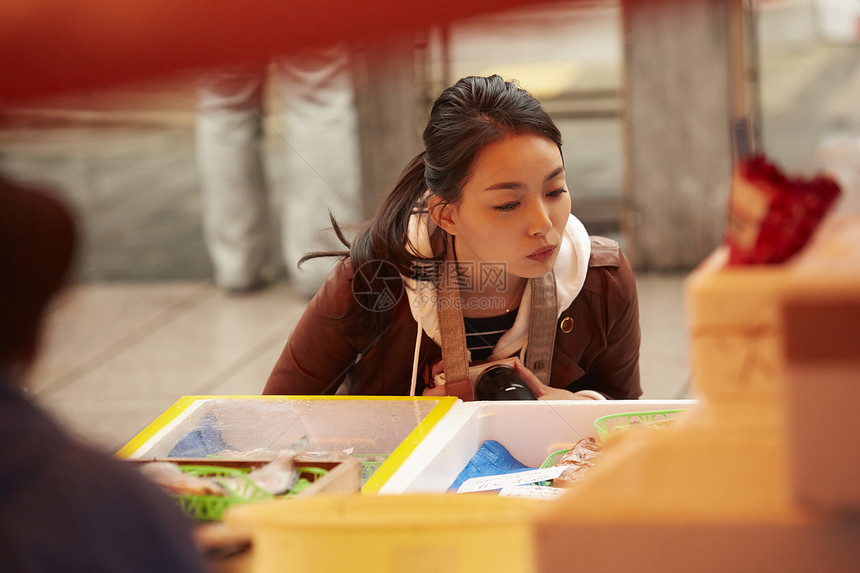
(557,192)
(507,206)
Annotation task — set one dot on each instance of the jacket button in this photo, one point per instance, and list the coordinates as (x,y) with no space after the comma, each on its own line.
(566,324)
(540,365)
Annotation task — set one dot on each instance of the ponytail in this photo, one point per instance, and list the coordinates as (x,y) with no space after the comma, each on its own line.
(385,238)
(380,253)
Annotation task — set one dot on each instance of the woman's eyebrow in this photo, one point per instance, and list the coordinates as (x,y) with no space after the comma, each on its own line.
(555,173)
(517,185)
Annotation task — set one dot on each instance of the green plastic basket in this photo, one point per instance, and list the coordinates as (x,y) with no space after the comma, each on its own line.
(241,489)
(303,482)
(621,422)
(369,464)
(549,462)
(553,458)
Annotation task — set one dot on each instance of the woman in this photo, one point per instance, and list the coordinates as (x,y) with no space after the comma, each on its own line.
(475,256)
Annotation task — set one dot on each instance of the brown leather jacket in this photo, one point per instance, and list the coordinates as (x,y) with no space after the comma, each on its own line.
(600,352)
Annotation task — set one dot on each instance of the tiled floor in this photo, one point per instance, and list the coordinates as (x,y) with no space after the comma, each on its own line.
(118,354)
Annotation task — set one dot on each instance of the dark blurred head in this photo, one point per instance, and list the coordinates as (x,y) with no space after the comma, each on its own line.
(37,245)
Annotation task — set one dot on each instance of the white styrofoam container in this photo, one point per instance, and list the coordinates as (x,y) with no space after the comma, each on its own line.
(529,430)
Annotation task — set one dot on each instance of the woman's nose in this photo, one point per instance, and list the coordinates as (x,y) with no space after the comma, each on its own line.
(539,220)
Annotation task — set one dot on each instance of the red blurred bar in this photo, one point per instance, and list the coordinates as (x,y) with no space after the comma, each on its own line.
(51,46)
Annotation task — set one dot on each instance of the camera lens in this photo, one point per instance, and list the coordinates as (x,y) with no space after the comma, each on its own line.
(501,382)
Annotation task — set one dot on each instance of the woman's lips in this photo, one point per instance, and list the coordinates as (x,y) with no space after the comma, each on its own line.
(542,254)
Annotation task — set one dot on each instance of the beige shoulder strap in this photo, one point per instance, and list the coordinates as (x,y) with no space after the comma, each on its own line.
(542,326)
(452,330)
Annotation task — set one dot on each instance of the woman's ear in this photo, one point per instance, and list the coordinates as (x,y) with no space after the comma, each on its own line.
(441,213)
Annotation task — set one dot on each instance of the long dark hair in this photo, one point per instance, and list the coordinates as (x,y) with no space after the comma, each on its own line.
(473,113)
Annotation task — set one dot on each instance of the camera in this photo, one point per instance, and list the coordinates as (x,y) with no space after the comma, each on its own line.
(496,380)
(502,382)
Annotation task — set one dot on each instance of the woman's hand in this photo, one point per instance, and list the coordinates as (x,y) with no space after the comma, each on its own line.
(542,391)
(435,391)
(436,369)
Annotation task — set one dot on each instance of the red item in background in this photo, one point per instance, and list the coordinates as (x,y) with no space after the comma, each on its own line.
(56,46)
(771,216)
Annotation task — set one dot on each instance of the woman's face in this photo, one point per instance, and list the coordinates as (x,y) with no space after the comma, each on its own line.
(514,208)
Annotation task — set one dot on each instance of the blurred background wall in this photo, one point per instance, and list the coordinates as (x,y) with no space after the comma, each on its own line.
(124,156)
(644,98)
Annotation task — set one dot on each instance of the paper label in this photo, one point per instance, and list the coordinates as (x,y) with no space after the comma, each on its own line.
(536,491)
(489,483)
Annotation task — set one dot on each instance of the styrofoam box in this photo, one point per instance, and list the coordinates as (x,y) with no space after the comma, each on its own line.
(529,430)
(210,424)
(381,430)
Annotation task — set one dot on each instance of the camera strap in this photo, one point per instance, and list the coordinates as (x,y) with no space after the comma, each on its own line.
(452,330)
(542,325)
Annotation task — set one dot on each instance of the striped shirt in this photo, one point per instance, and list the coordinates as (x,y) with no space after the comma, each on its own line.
(482,334)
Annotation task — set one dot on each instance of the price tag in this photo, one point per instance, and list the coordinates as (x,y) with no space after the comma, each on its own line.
(489,483)
(537,491)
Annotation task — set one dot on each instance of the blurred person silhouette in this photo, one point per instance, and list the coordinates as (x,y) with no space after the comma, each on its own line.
(63,505)
(321,164)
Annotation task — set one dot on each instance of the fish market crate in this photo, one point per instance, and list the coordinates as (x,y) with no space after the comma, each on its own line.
(391,533)
(776,346)
(530,430)
(378,433)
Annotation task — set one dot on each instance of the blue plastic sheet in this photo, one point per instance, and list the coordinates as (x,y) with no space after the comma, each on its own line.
(204,440)
(491,459)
